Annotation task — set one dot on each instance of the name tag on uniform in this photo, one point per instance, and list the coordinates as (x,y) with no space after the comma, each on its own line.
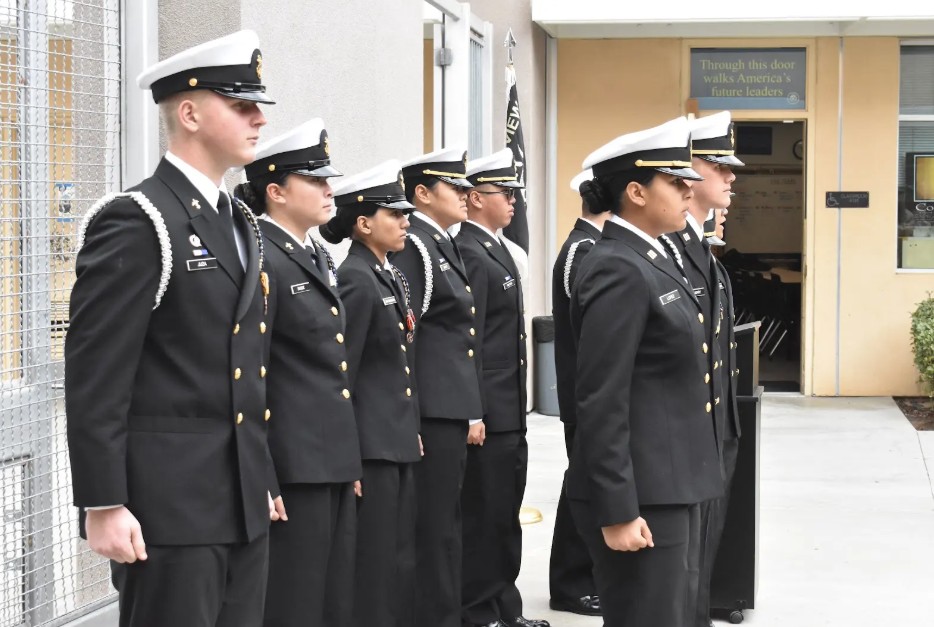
(444,266)
(510,282)
(208,263)
(389,300)
(670,297)
(299,288)
(700,291)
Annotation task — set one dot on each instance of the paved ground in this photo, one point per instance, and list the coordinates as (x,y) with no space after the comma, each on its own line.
(846,510)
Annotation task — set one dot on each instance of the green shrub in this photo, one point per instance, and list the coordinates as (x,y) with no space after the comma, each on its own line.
(922,342)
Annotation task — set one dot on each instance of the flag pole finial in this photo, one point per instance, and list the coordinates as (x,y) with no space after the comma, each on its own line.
(510,45)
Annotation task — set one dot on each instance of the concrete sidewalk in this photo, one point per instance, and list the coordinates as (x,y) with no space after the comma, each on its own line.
(846,531)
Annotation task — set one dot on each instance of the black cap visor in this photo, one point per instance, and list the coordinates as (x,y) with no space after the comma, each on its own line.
(241,94)
(322,173)
(456,182)
(402,205)
(684,173)
(723,159)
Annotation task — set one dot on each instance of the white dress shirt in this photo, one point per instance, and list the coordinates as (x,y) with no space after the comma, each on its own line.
(657,245)
(211,192)
(432,223)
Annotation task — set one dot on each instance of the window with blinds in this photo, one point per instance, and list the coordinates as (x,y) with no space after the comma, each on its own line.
(916,158)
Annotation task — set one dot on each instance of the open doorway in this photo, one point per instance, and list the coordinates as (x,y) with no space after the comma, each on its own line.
(764,250)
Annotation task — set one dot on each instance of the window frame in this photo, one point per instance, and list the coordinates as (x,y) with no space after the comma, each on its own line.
(907,118)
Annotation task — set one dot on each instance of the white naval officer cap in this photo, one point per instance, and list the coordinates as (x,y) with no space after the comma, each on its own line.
(498,168)
(382,185)
(665,148)
(579,178)
(713,138)
(303,150)
(231,66)
(447,164)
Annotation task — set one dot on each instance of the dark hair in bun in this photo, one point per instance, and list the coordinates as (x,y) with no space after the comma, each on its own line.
(333,231)
(253,193)
(595,199)
(608,190)
(340,227)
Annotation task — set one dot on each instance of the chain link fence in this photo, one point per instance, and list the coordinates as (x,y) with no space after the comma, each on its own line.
(59,151)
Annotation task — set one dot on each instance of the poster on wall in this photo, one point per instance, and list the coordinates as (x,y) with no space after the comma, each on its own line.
(749,78)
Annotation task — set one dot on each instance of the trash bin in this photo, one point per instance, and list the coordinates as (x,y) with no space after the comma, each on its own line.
(546,379)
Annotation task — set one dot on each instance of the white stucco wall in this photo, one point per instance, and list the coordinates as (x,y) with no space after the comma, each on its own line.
(355,63)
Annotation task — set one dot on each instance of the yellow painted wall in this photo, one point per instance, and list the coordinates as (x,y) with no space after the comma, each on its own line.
(610,87)
(607,87)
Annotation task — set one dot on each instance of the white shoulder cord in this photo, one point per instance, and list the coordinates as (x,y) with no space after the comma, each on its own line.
(674,249)
(570,261)
(162,233)
(426,260)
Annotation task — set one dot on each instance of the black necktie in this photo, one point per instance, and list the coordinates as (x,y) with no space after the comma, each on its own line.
(457,252)
(316,261)
(227,222)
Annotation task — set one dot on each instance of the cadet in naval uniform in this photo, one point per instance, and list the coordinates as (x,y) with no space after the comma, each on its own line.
(496,466)
(445,371)
(713,148)
(570,574)
(163,388)
(372,210)
(643,457)
(312,432)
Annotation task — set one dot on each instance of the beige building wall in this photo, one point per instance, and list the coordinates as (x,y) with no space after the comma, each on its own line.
(610,87)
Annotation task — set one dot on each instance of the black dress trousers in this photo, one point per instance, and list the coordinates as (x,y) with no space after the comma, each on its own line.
(438,551)
(712,532)
(385,589)
(311,561)
(653,587)
(216,585)
(570,574)
(493,489)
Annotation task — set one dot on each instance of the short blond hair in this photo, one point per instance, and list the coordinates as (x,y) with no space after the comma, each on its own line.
(168,109)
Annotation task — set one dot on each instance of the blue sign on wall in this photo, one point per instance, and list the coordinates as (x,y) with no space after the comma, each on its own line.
(749,78)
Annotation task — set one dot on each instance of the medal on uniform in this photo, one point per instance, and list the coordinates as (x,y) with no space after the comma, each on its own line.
(264,282)
(410,325)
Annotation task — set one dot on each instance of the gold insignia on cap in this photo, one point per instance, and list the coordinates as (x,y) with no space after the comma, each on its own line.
(272,167)
(259,66)
(327,147)
(401,180)
(193,82)
(732,136)
(465,160)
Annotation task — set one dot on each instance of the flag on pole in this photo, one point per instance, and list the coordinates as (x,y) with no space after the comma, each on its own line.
(518,229)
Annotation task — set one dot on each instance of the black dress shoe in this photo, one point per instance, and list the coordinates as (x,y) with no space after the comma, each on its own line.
(522,621)
(495,623)
(588,606)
